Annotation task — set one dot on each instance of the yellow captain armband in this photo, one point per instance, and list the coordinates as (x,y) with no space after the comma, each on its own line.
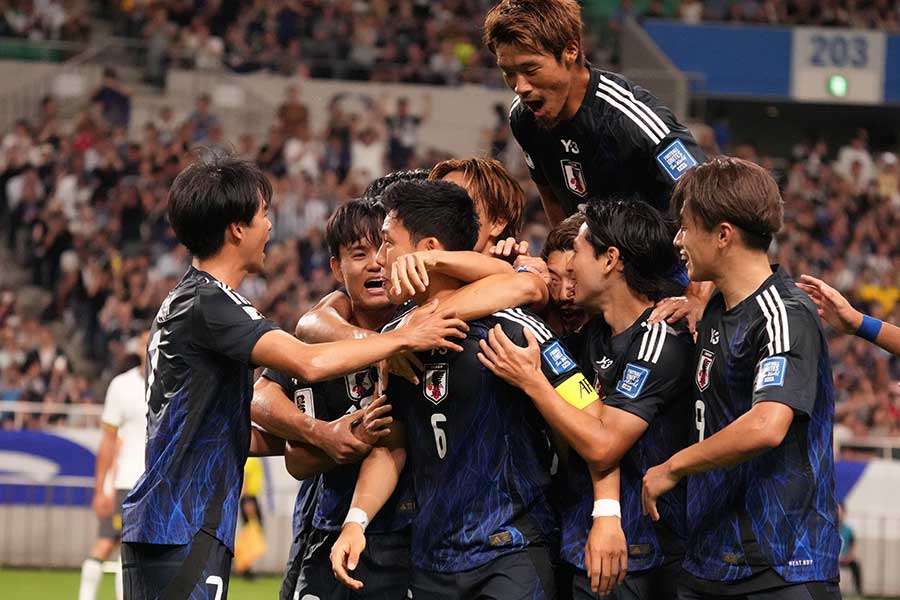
(577,391)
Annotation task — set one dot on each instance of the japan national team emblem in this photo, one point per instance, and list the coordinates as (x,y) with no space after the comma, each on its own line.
(703,367)
(574,176)
(435,384)
(359,385)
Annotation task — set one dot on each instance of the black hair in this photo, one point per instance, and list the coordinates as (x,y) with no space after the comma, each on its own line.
(562,237)
(376,188)
(210,195)
(643,238)
(438,209)
(356,220)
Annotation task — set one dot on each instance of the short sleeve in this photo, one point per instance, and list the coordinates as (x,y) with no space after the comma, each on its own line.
(656,370)
(284,381)
(789,345)
(673,156)
(113,413)
(226,324)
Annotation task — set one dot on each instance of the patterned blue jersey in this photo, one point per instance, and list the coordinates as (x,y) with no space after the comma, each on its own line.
(646,371)
(330,400)
(199,387)
(777,510)
(478,451)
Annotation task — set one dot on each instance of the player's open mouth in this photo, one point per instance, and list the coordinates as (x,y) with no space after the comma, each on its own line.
(535,106)
(375,286)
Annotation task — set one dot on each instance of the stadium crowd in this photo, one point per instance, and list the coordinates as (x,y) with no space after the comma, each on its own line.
(84,207)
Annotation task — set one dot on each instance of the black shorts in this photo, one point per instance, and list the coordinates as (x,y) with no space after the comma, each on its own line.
(814,590)
(383,568)
(197,570)
(651,584)
(111,527)
(523,575)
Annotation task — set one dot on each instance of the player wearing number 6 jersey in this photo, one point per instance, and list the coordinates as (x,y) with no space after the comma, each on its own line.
(761,510)
(476,448)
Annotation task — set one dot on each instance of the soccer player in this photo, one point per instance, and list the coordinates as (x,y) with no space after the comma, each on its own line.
(353,234)
(585,132)
(180,518)
(622,258)
(562,314)
(477,451)
(761,510)
(120,461)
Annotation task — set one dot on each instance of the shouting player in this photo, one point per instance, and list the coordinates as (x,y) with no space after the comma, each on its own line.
(622,258)
(761,509)
(180,518)
(477,451)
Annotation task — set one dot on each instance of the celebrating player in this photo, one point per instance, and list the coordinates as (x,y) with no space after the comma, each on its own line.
(622,259)
(180,518)
(477,452)
(761,510)
(563,316)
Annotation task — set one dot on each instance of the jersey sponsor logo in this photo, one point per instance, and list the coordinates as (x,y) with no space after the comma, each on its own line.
(557,358)
(435,385)
(676,160)
(574,176)
(303,398)
(359,385)
(633,380)
(703,366)
(577,391)
(714,337)
(604,363)
(771,372)
(569,146)
(528,161)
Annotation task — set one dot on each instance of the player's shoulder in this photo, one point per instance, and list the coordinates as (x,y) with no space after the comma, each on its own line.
(520,118)
(514,322)
(661,343)
(630,112)
(780,312)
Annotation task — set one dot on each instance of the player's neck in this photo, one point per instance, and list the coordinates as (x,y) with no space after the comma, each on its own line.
(622,307)
(742,275)
(370,319)
(439,287)
(580,80)
(224,268)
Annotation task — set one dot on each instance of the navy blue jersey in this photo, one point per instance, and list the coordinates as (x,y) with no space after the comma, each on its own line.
(777,510)
(478,450)
(199,387)
(621,142)
(646,371)
(330,400)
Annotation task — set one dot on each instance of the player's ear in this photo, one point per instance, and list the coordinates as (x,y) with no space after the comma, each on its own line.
(571,53)
(429,243)
(235,231)
(336,270)
(726,234)
(612,259)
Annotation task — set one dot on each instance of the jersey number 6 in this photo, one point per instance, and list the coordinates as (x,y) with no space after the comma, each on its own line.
(440,437)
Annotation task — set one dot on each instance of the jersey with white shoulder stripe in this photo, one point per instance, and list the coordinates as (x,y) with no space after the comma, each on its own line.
(479,451)
(777,510)
(621,142)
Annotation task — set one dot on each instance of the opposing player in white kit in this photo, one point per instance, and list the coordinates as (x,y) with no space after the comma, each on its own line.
(120,463)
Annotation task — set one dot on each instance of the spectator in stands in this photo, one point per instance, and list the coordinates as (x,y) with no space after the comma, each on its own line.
(847,557)
(202,120)
(403,132)
(115,99)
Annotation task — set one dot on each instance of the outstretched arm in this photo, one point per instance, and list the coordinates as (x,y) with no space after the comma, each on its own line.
(328,321)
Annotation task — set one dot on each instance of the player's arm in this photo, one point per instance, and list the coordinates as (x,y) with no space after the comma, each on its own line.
(785,385)
(409,274)
(552,206)
(428,328)
(606,551)
(328,321)
(106,454)
(263,443)
(378,477)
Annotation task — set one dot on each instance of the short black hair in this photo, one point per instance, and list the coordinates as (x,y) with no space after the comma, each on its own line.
(211,194)
(375,189)
(642,236)
(354,221)
(562,237)
(438,209)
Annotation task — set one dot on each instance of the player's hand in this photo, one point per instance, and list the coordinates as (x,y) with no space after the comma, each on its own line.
(409,275)
(428,328)
(671,310)
(657,481)
(338,440)
(103,505)
(514,364)
(833,307)
(606,554)
(536,265)
(376,421)
(405,365)
(508,248)
(345,554)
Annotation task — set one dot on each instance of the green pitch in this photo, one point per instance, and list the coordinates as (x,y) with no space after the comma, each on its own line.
(34,584)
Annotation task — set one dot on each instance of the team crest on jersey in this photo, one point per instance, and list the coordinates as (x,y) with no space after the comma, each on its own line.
(435,385)
(574,176)
(359,385)
(703,366)
(303,398)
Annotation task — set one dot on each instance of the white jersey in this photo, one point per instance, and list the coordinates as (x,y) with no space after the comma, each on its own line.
(126,410)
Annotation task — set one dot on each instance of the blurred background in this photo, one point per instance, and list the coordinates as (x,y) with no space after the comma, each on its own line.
(103,103)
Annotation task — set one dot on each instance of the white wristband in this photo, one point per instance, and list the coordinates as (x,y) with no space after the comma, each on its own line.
(606,508)
(359,516)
